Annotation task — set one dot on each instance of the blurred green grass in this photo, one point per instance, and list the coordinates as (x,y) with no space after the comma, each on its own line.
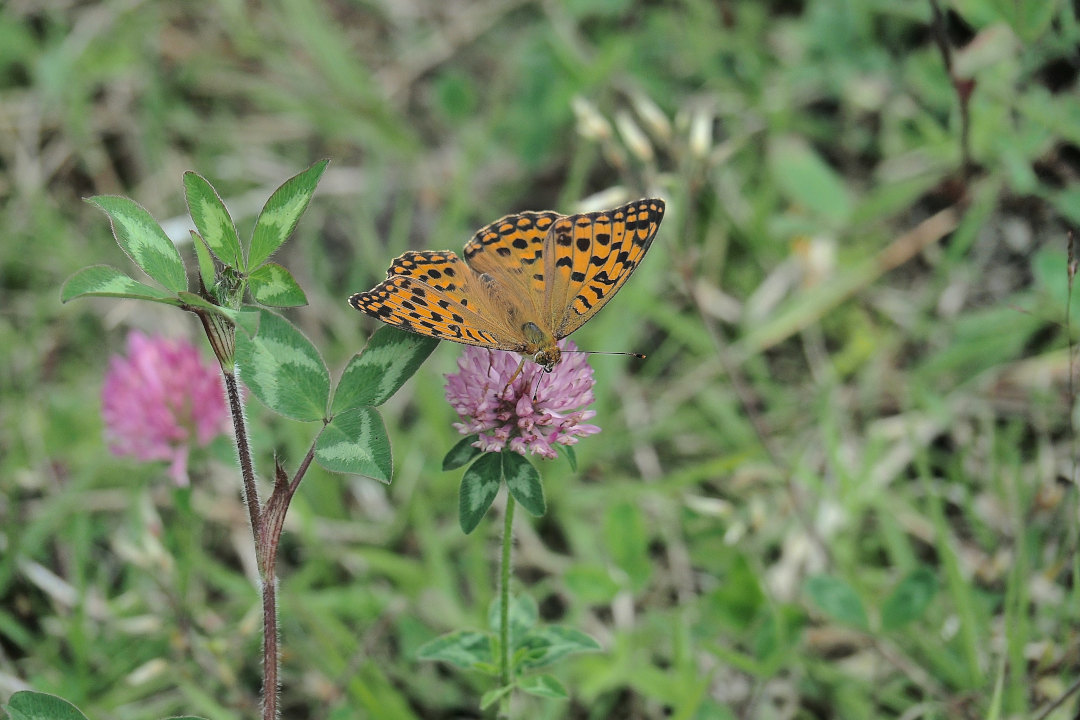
(828,394)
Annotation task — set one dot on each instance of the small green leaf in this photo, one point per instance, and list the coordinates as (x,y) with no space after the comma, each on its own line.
(493,696)
(807,180)
(271,284)
(523,482)
(212,219)
(548,644)
(29,705)
(910,599)
(461,454)
(207,271)
(281,213)
(837,599)
(355,441)
(738,597)
(283,369)
(543,686)
(479,486)
(144,241)
(378,371)
(105,281)
(186,717)
(463,648)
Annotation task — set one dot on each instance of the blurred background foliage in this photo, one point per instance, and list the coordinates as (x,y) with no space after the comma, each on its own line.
(842,484)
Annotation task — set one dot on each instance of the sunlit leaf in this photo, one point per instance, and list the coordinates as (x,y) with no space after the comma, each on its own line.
(378,371)
(281,213)
(143,240)
(272,284)
(106,281)
(212,219)
(283,369)
(355,441)
(523,482)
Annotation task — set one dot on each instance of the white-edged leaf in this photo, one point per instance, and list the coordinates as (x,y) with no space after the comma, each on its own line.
(272,284)
(283,369)
(461,454)
(143,240)
(479,486)
(106,281)
(212,219)
(207,271)
(355,441)
(378,371)
(523,482)
(281,213)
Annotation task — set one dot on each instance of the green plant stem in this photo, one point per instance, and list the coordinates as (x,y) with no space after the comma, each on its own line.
(504,606)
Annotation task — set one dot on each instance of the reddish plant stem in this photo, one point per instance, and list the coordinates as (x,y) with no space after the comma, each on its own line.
(243,450)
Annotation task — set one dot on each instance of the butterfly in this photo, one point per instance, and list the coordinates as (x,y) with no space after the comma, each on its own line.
(527,281)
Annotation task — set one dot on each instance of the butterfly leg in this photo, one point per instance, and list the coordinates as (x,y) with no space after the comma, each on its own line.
(514,376)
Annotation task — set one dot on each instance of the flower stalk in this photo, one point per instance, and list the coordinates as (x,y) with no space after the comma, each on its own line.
(504,605)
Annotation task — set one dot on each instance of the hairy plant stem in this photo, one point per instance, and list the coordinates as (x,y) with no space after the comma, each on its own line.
(267,523)
(504,605)
(243,451)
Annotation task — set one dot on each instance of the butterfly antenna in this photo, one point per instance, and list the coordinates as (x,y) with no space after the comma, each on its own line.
(639,356)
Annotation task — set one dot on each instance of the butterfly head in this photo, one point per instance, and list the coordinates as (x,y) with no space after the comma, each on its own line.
(540,346)
(547,357)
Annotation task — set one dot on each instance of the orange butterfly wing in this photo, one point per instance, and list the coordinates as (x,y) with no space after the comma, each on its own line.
(588,257)
(511,251)
(436,294)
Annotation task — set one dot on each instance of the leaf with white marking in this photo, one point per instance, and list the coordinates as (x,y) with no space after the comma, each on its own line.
(139,235)
(106,281)
(271,284)
(212,219)
(281,213)
(283,369)
(356,442)
(381,368)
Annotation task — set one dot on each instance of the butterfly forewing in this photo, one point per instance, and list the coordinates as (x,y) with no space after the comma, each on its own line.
(588,257)
(436,294)
(511,251)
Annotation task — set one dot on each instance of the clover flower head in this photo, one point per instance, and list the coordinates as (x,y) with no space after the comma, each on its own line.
(512,416)
(160,400)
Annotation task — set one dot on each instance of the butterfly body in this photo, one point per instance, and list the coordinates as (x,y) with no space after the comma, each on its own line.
(527,280)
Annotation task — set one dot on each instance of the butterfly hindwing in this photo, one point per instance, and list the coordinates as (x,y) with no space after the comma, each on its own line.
(588,257)
(436,294)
